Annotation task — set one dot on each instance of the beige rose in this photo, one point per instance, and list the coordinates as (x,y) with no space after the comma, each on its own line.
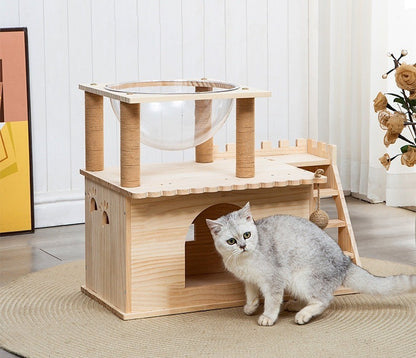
(406,77)
(383,117)
(395,123)
(390,138)
(409,158)
(380,102)
(385,161)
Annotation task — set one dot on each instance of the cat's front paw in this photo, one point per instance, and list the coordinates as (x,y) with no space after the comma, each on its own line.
(251,308)
(302,317)
(266,321)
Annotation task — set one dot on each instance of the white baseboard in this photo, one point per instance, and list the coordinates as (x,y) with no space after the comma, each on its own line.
(55,209)
(365,198)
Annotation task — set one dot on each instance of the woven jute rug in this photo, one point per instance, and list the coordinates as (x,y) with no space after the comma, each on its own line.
(44,314)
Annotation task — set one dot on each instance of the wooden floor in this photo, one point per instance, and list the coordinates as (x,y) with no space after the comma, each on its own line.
(381,232)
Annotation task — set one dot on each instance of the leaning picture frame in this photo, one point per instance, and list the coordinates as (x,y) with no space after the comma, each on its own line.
(16,183)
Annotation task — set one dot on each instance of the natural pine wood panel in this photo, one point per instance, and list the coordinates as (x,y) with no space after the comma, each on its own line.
(242,92)
(198,297)
(303,153)
(335,223)
(325,193)
(190,178)
(107,245)
(323,150)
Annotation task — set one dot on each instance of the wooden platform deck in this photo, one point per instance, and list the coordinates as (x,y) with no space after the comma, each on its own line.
(170,179)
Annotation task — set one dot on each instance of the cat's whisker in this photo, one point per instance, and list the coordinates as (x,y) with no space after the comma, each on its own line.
(228,259)
(233,254)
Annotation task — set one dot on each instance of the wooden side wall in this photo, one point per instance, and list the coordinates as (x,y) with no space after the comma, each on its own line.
(107,246)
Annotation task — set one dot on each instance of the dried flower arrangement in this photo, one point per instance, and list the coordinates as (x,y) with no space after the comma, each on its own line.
(395,120)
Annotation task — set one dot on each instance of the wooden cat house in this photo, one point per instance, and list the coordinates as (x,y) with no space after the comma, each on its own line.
(138,261)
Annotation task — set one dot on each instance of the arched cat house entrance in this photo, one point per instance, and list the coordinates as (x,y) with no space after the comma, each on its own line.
(201,257)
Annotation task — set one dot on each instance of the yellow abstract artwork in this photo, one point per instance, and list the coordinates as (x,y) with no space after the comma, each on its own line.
(16,196)
(15,202)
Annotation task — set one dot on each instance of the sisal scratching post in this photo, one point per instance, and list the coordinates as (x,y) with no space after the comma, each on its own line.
(245,150)
(319,217)
(94,132)
(130,144)
(204,151)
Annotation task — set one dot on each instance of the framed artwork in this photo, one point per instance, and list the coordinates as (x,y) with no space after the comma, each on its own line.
(16,187)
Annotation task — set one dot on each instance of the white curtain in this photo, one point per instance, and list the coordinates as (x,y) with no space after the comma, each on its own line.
(353,39)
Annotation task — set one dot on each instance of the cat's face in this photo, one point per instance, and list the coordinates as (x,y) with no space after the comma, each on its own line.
(235,233)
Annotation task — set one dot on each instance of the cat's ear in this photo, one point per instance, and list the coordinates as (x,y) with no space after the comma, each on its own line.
(245,212)
(214,226)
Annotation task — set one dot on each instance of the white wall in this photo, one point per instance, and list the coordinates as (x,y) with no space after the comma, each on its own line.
(262,43)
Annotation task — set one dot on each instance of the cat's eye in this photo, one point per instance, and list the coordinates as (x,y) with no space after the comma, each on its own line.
(231,241)
(247,235)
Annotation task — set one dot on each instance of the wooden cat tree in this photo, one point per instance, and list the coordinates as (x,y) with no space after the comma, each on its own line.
(137,261)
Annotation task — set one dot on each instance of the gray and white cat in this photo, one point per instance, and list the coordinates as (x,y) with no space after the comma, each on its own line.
(285,252)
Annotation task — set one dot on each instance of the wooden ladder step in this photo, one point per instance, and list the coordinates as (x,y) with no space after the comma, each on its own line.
(335,223)
(326,193)
(349,254)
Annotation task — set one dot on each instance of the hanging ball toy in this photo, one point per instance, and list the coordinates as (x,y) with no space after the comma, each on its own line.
(319,217)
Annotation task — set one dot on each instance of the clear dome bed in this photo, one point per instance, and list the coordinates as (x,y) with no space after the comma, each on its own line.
(178,124)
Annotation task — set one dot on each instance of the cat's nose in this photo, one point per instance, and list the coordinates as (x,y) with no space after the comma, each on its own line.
(243,246)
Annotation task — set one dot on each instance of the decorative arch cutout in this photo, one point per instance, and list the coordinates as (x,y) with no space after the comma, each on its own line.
(105,220)
(93,205)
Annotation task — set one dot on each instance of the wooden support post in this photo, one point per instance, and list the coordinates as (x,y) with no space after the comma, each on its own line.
(94,132)
(245,140)
(130,144)
(204,151)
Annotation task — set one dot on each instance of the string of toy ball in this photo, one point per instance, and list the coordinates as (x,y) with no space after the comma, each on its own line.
(319,217)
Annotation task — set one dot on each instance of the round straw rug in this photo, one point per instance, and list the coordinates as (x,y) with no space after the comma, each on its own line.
(44,314)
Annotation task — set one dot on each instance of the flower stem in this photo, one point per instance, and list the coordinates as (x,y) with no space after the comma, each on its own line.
(405,139)
(408,106)
(397,155)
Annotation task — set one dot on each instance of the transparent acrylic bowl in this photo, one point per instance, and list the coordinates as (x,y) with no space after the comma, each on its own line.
(176,125)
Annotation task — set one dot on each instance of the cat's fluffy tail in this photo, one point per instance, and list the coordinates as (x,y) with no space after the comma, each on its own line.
(361,280)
